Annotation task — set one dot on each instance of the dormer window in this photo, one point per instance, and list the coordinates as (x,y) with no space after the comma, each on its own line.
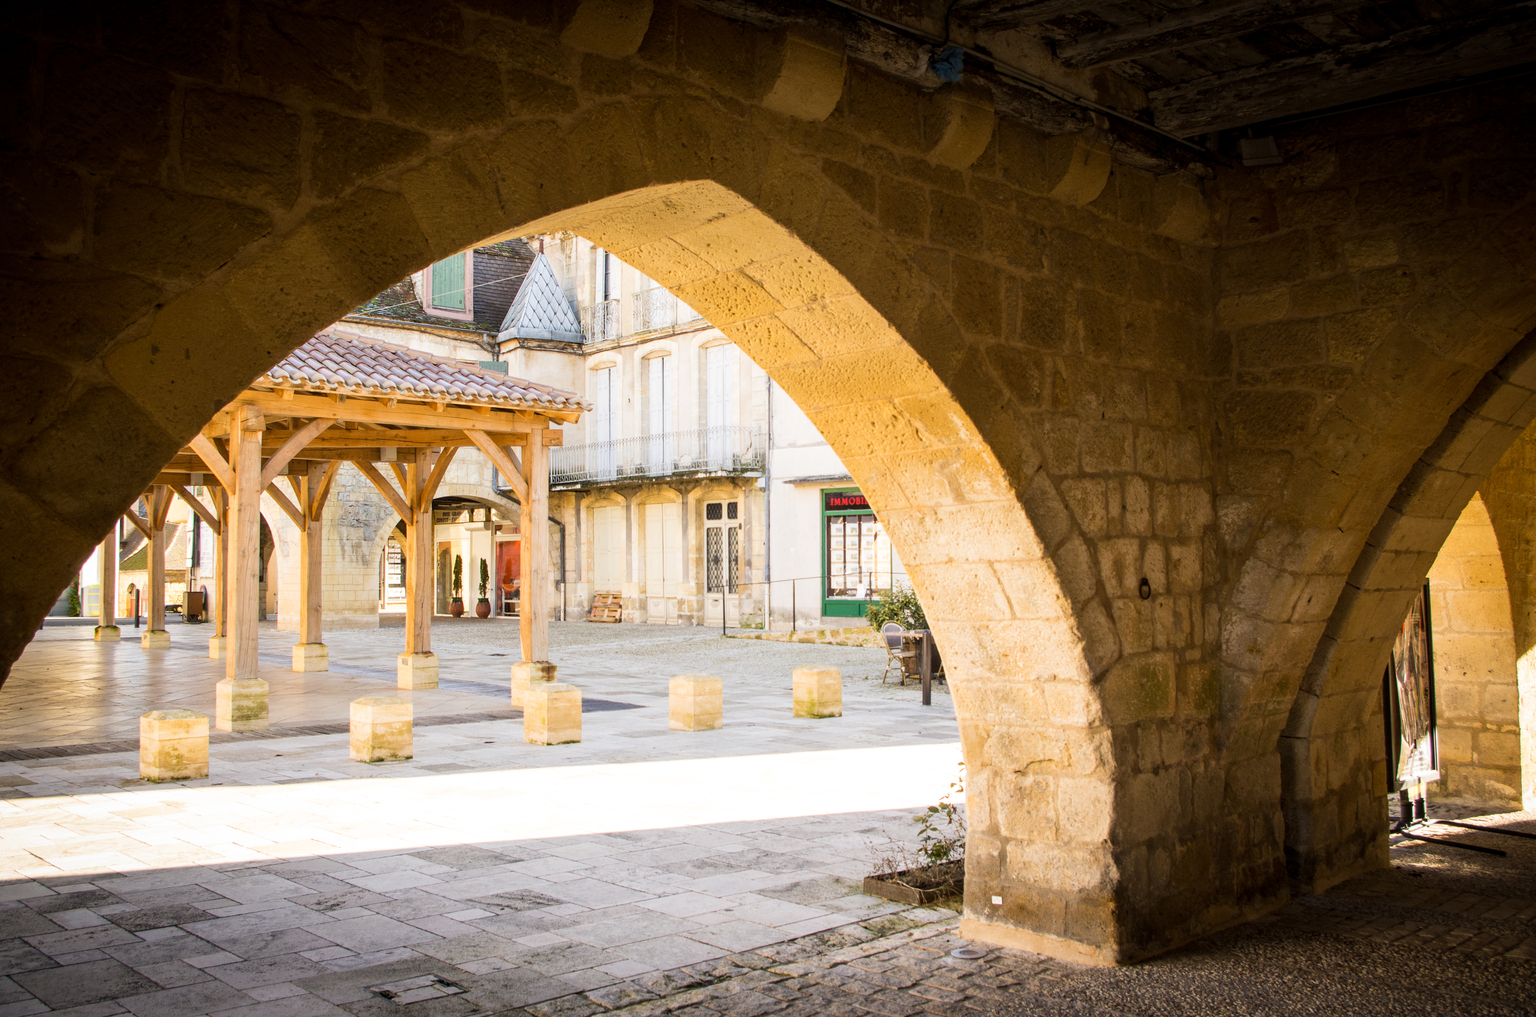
(447,286)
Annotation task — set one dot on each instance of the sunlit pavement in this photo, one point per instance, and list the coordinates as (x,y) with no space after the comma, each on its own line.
(292,879)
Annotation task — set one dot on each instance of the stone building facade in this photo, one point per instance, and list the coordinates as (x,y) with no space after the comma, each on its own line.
(1167,436)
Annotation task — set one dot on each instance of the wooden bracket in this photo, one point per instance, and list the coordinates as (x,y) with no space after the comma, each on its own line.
(303,436)
(216,463)
(195,504)
(385,488)
(501,460)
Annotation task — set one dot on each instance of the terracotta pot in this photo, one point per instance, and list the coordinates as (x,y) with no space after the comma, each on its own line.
(482,608)
(456,607)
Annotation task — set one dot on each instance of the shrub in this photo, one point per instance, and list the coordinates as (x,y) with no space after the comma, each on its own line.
(900,605)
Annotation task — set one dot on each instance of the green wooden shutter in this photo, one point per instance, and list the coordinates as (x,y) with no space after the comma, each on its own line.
(448,283)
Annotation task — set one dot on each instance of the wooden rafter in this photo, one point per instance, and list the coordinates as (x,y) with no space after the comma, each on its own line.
(300,438)
(499,459)
(139,523)
(438,470)
(216,463)
(208,515)
(288,507)
(401,414)
(322,490)
(400,505)
(161,506)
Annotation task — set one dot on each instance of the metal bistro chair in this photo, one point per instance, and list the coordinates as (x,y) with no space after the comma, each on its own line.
(897,659)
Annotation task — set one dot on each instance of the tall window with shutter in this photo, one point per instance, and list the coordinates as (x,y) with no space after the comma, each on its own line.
(447,279)
(719,402)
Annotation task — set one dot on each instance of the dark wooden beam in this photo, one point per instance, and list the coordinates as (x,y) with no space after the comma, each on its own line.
(1426,55)
(1005,14)
(1192,26)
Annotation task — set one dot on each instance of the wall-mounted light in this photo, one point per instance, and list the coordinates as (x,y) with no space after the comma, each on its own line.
(1259,151)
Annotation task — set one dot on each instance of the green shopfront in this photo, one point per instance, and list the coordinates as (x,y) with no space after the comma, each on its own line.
(857,560)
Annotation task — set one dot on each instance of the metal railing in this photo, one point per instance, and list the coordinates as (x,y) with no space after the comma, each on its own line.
(654,308)
(600,321)
(703,450)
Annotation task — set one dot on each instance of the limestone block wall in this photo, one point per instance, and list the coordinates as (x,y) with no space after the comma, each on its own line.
(1131,474)
(1476,692)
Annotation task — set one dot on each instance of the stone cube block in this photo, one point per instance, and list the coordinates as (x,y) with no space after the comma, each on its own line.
(416,671)
(551,714)
(695,703)
(216,646)
(240,704)
(818,692)
(311,657)
(155,639)
(173,745)
(108,633)
(381,729)
(526,674)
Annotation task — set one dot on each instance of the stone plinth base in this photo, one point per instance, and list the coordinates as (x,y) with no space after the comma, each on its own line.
(551,714)
(527,673)
(818,692)
(173,745)
(694,703)
(216,646)
(311,657)
(1035,942)
(416,671)
(108,634)
(381,729)
(240,704)
(156,639)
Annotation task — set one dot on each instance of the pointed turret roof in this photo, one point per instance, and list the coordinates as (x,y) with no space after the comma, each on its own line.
(540,310)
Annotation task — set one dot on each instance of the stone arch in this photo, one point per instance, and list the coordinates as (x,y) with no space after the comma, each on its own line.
(1512,511)
(1476,693)
(1331,752)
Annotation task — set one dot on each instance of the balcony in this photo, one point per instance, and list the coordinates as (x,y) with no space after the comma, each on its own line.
(656,309)
(600,321)
(730,450)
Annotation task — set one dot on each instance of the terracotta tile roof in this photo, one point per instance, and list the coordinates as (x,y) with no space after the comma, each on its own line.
(335,362)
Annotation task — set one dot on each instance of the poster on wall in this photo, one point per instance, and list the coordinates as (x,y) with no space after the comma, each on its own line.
(1408,696)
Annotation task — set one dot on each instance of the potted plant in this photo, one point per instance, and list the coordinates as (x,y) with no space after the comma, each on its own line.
(456,606)
(483,606)
(936,868)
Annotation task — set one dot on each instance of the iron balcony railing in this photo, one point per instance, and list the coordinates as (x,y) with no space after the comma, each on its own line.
(656,308)
(704,450)
(600,321)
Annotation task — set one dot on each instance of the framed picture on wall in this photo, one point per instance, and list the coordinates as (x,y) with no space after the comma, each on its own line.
(1408,702)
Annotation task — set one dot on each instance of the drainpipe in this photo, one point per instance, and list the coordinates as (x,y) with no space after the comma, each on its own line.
(768,517)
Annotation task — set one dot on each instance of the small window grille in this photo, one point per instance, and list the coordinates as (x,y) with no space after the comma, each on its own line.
(712,510)
(730,510)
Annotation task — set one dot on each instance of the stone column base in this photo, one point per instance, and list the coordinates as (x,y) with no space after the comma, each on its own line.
(818,692)
(156,639)
(552,714)
(381,729)
(311,657)
(240,704)
(173,745)
(216,645)
(527,673)
(416,671)
(694,703)
(1035,942)
(108,633)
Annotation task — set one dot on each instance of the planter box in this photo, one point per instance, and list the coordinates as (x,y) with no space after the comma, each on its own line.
(886,885)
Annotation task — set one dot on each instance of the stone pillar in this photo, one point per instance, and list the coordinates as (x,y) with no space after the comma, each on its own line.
(155,637)
(381,729)
(526,675)
(416,668)
(241,698)
(695,703)
(552,714)
(310,653)
(533,562)
(106,627)
(217,642)
(173,745)
(818,692)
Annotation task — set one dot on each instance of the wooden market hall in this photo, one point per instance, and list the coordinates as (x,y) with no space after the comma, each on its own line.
(400,417)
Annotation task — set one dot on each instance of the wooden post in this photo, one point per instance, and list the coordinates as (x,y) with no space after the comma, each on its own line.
(310,653)
(155,636)
(106,626)
(417,666)
(218,641)
(533,561)
(241,700)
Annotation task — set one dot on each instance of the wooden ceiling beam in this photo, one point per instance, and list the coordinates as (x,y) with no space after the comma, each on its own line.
(1425,55)
(1192,26)
(401,414)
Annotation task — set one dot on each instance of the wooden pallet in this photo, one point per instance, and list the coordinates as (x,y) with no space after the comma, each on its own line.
(607,607)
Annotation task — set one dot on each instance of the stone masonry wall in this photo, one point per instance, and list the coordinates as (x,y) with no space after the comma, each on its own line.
(1128,452)
(1476,696)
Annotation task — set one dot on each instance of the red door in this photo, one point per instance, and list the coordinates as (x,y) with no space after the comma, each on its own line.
(507,584)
